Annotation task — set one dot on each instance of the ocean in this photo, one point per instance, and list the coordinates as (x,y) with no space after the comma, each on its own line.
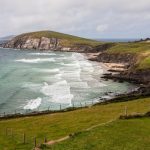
(34,80)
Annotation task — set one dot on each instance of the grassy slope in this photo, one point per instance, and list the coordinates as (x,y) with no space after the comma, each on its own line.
(140,49)
(120,135)
(68,39)
(58,125)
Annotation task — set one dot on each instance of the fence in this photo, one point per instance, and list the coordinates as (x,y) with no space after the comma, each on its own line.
(22,138)
(50,109)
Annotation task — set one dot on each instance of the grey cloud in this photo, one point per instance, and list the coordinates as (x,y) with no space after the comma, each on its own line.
(89,18)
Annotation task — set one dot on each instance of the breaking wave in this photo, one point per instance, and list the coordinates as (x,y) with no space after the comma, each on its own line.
(37,60)
(59,91)
(43,54)
(33,104)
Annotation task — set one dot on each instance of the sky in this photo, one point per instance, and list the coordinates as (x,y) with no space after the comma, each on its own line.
(87,18)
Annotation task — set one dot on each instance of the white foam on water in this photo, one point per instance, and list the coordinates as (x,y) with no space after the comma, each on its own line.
(99,71)
(74,75)
(47,70)
(32,86)
(77,56)
(43,54)
(72,65)
(86,77)
(37,60)
(79,85)
(85,64)
(58,76)
(59,91)
(96,83)
(33,104)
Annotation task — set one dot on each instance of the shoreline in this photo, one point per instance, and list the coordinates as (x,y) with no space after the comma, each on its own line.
(101,100)
(110,67)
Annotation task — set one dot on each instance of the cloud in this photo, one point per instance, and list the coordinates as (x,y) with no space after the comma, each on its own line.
(102,27)
(88,18)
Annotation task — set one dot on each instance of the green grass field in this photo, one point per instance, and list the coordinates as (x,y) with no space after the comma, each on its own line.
(131,134)
(58,125)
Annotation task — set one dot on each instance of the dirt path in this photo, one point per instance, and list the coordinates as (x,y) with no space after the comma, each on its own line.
(52,142)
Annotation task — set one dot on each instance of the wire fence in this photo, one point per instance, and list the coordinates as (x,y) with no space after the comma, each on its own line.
(26,139)
(49,109)
(23,139)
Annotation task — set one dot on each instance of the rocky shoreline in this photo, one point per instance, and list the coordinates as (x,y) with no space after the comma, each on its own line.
(118,70)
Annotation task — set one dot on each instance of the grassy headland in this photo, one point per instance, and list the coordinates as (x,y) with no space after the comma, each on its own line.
(67,40)
(141,51)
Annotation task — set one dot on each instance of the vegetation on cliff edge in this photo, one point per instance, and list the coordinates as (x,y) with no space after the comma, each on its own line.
(140,50)
(67,39)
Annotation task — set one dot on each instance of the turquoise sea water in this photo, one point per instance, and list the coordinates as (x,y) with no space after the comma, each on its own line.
(31,80)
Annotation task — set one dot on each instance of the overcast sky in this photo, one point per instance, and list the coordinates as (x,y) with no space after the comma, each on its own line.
(87,18)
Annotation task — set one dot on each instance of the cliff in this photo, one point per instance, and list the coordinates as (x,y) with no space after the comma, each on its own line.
(136,56)
(49,40)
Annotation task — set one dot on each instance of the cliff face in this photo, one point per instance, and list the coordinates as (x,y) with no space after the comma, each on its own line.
(132,74)
(116,58)
(45,43)
(42,43)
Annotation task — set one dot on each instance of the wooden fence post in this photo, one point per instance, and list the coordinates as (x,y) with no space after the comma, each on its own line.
(45,140)
(49,108)
(73,105)
(81,105)
(35,142)
(60,106)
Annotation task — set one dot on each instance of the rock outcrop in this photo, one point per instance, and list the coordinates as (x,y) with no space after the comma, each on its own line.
(131,74)
(116,58)
(45,43)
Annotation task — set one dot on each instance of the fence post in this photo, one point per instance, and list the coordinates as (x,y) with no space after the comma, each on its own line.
(49,108)
(45,140)
(126,111)
(38,108)
(4,114)
(85,104)
(92,102)
(35,142)
(24,138)
(60,106)
(73,105)
(81,105)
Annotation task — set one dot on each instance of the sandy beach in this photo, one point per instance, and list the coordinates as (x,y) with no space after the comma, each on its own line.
(114,67)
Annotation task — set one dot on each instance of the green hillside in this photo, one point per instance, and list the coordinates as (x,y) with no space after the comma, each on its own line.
(119,135)
(54,126)
(68,39)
